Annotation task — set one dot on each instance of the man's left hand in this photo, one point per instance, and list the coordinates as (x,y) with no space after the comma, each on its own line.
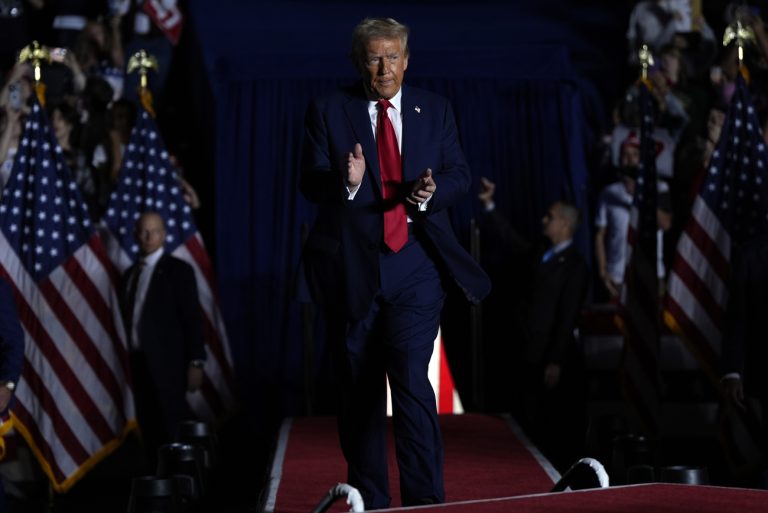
(194,378)
(423,188)
(5,397)
(551,375)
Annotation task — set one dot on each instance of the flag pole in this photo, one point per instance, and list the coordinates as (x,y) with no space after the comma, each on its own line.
(638,315)
(142,62)
(36,54)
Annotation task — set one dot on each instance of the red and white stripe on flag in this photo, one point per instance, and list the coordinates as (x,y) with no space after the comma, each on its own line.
(74,403)
(729,210)
(216,396)
(448,400)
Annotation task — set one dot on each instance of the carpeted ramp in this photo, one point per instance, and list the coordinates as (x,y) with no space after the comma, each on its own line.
(485,457)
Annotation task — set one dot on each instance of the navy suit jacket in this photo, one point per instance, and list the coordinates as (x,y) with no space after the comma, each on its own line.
(557,296)
(11,336)
(745,338)
(170,331)
(554,290)
(341,254)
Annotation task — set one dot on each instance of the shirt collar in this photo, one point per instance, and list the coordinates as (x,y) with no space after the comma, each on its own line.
(152,258)
(396,101)
(561,246)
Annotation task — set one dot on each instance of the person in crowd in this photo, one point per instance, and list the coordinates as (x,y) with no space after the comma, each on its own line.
(69,18)
(612,219)
(11,126)
(660,24)
(99,52)
(110,146)
(692,92)
(691,161)
(65,124)
(671,113)
(723,76)
(17,87)
(383,162)
(95,110)
(651,23)
(11,355)
(555,280)
(163,325)
(13,111)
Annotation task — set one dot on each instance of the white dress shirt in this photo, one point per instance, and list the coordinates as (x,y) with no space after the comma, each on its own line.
(395,114)
(150,261)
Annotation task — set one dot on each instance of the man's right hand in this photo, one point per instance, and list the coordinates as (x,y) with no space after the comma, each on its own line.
(613,287)
(355,168)
(733,390)
(487,189)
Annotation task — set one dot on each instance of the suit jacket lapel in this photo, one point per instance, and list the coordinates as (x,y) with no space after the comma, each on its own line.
(413,125)
(158,270)
(557,259)
(360,120)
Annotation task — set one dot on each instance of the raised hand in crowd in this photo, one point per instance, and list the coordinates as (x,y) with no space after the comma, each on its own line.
(487,190)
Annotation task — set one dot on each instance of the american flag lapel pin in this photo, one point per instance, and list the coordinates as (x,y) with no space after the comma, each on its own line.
(417,109)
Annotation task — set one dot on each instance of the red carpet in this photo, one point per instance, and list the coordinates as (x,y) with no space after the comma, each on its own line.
(649,498)
(484,457)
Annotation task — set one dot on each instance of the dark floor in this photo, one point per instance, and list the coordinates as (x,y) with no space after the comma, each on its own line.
(233,485)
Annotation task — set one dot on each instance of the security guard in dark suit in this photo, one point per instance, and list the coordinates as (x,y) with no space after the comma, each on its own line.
(553,277)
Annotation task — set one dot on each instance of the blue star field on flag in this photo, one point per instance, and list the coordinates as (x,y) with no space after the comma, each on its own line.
(735,184)
(42,214)
(148,182)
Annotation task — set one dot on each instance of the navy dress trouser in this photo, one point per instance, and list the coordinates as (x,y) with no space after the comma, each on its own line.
(395,340)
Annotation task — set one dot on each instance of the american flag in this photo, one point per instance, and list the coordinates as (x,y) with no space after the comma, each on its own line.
(149,182)
(639,309)
(73,402)
(729,209)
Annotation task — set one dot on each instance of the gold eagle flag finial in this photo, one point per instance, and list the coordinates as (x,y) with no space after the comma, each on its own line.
(742,34)
(646,61)
(142,62)
(35,54)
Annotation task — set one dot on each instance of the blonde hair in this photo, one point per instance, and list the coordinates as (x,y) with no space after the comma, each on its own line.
(376,28)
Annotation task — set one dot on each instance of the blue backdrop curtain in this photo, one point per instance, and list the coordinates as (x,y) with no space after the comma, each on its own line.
(519,113)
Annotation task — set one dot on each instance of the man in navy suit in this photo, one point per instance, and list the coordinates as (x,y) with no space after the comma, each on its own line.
(744,350)
(383,297)
(11,354)
(11,345)
(553,277)
(163,324)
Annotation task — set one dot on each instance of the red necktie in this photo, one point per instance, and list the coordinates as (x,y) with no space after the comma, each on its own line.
(395,224)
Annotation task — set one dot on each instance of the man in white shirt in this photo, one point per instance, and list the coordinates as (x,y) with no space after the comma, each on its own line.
(612,220)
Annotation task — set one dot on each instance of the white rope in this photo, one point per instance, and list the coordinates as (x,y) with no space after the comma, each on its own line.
(602,475)
(354,499)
